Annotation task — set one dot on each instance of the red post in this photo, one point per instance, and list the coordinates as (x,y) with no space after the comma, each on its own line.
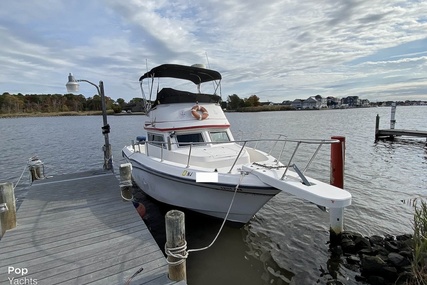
(337,162)
(336,215)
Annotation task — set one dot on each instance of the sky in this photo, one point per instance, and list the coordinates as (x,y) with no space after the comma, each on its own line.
(275,49)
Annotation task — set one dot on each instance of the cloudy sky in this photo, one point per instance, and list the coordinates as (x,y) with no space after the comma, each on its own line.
(276,49)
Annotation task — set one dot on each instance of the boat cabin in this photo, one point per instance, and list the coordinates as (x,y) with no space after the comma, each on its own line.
(183,139)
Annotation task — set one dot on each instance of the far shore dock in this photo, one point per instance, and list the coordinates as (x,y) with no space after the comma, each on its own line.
(391,133)
(76,229)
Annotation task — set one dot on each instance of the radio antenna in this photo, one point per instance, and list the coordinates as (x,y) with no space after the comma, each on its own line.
(207,60)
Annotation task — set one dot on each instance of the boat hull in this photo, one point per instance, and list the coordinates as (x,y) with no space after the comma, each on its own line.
(178,187)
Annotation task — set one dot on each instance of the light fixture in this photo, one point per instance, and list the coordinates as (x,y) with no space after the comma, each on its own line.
(72,84)
(72,87)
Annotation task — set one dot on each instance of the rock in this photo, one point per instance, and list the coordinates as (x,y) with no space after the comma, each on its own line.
(379,250)
(362,243)
(376,240)
(353,259)
(348,245)
(398,260)
(366,251)
(389,272)
(406,253)
(372,264)
(391,246)
(379,260)
(404,237)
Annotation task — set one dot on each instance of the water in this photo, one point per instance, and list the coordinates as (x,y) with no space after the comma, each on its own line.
(286,242)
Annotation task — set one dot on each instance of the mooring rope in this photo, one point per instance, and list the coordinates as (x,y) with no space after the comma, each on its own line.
(181,252)
(20,177)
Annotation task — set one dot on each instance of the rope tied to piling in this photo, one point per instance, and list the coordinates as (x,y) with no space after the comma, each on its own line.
(180,252)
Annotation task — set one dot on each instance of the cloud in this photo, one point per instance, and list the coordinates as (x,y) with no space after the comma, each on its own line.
(276,49)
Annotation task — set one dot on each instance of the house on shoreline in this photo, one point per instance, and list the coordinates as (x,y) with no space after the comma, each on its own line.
(318,102)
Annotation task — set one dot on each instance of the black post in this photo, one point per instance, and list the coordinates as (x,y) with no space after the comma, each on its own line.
(108,160)
(377,127)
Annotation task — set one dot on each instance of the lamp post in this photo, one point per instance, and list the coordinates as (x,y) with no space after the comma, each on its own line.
(72,87)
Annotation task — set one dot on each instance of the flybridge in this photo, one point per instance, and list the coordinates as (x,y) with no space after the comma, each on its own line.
(195,74)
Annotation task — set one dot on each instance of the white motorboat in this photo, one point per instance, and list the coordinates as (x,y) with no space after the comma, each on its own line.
(190,159)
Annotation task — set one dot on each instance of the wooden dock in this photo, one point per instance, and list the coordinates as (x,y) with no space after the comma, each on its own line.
(392,133)
(400,132)
(76,229)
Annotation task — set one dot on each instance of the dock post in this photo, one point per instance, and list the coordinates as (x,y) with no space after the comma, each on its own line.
(176,245)
(377,127)
(393,115)
(7,207)
(126,181)
(36,167)
(337,162)
(336,215)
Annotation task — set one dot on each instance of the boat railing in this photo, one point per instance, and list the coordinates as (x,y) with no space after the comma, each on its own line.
(244,144)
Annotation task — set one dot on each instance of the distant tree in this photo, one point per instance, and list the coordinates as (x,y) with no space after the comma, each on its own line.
(116,108)
(234,102)
(135,100)
(11,104)
(121,102)
(252,101)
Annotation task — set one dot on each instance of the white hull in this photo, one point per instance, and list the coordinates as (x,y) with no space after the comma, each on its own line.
(171,187)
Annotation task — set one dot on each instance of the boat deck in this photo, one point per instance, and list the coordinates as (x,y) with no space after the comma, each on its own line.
(76,229)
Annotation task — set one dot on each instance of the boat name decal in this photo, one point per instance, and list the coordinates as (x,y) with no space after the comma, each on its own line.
(187,173)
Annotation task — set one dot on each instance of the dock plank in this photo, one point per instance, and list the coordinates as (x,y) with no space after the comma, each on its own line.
(76,229)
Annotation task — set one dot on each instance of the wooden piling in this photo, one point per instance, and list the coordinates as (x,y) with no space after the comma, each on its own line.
(337,162)
(393,115)
(377,127)
(7,218)
(36,167)
(336,215)
(175,242)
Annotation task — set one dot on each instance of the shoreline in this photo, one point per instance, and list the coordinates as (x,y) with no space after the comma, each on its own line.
(65,114)
(241,110)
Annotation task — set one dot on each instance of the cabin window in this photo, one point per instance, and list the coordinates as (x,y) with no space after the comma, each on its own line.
(187,139)
(156,139)
(219,136)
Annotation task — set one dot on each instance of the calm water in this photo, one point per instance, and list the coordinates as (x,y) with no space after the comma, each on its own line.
(286,242)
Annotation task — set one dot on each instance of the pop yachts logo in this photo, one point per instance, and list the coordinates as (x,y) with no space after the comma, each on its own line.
(18,276)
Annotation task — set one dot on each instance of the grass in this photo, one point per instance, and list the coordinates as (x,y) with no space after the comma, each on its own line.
(419,264)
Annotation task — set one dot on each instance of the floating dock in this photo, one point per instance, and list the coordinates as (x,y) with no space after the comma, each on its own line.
(76,229)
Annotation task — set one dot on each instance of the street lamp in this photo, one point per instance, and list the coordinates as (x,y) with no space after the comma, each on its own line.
(72,87)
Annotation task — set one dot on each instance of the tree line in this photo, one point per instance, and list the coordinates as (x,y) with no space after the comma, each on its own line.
(56,103)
